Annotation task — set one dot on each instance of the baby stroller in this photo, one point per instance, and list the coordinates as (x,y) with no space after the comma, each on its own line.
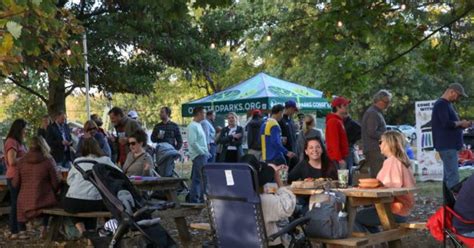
(135,225)
(440,223)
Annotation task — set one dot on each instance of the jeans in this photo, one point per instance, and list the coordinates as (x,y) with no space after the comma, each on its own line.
(450,167)
(166,169)
(367,219)
(15,227)
(196,192)
(212,151)
(350,162)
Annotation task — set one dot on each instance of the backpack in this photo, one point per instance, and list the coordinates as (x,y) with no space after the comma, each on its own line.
(327,219)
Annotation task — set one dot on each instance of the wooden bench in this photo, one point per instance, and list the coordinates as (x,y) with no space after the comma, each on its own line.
(363,241)
(178,214)
(414,225)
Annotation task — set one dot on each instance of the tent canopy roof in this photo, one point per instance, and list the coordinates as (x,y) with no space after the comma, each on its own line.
(261,91)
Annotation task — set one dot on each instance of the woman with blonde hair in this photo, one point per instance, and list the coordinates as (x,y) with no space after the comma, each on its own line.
(231,140)
(37,181)
(396,172)
(92,130)
(309,130)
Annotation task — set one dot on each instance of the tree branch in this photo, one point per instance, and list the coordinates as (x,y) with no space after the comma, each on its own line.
(417,44)
(72,88)
(30,90)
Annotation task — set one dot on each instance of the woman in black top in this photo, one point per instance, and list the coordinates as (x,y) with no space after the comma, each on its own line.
(315,164)
(231,140)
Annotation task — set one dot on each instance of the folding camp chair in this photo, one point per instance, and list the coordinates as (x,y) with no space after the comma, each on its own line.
(235,211)
(440,223)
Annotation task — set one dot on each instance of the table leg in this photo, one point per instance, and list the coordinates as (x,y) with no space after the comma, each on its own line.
(183,231)
(351,214)
(388,222)
(53,229)
(172,196)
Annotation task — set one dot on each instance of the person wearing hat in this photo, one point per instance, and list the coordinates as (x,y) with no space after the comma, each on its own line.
(253,134)
(289,129)
(336,137)
(447,131)
(373,126)
(276,206)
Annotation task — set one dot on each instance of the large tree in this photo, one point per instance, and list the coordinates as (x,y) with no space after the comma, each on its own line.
(130,43)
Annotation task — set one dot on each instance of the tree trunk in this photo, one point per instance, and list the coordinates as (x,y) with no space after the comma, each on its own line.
(57,96)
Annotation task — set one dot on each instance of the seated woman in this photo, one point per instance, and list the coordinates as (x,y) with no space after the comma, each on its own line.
(395,173)
(38,181)
(463,206)
(138,162)
(92,130)
(316,164)
(83,196)
(277,206)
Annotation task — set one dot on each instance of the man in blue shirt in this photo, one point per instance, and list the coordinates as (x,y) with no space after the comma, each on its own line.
(273,150)
(210,133)
(447,132)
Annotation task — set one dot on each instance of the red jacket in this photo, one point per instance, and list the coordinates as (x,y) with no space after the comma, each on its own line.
(336,138)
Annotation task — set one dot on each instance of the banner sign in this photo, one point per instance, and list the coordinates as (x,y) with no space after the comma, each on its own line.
(265,103)
(430,166)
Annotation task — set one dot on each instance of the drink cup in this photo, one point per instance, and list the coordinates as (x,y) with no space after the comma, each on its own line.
(343,177)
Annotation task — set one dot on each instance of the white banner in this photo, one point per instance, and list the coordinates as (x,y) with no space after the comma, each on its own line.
(430,166)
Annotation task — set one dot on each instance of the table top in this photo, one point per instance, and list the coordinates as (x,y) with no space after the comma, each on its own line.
(359,192)
(157,181)
(146,181)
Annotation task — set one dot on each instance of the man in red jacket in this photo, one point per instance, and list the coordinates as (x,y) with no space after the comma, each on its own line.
(336,137)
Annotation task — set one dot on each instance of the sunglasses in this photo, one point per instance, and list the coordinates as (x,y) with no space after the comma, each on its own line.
(133,143)
(91,129)
(380,142)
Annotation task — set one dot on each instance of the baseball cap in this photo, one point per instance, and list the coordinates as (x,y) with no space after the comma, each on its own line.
(133,114)
(291,104)
(340,100)
(458,88)
(256,112)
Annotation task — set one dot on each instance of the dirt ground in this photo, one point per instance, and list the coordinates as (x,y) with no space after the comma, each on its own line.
(417,239)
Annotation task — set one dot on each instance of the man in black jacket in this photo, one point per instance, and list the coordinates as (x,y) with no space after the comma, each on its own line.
(59,139)
(253,134)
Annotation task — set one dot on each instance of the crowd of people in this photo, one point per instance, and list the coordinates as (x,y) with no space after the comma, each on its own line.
(277,145)
(35,166)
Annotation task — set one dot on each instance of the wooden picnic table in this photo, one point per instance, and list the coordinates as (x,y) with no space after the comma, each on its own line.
(380,197)
(169,185)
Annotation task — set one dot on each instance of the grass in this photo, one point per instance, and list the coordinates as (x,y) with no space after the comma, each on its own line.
(434,189)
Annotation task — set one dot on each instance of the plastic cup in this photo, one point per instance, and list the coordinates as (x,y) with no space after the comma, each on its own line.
(343,177)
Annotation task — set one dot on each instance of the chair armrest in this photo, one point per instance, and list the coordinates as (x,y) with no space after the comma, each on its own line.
(289,227)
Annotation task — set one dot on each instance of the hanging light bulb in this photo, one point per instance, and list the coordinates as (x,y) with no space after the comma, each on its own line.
(68,52)
(403,7)
(340,24)
(269,37)
(25,72)
(213,45)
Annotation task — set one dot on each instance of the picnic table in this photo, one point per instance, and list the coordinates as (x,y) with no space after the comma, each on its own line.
(169,185)
(382,199)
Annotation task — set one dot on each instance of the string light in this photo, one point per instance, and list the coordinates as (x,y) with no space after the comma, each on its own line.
(25,72)
(403,7)
(213,45)
(68,52)
(269,37)
(340,24)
